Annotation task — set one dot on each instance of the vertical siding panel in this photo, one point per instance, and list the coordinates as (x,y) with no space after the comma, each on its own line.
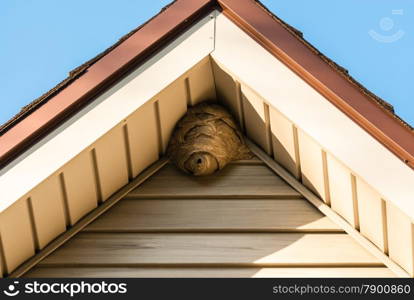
(312,166)
(255,118)
(2,259)
(284,142)
(111,162)
(201,82)
(370,214)
(80,187)
(412,250)
(385,225)
(16,234)
(400,238)
(227,91)
(172,106)
(340,187)
(1,265)
(188,92)
(127,150)
(48,210)
(355,202)
(268,126)
(143,138)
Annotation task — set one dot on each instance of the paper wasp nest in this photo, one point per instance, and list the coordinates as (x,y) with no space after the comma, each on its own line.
(205,140)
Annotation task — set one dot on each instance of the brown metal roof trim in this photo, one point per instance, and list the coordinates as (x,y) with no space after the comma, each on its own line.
(26,110)
(336,66)
(89,80)
(286,43)
(327,78)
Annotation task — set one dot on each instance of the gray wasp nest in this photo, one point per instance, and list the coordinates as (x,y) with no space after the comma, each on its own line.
(205,140)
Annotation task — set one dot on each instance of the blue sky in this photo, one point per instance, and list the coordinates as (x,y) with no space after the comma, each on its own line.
(42,40)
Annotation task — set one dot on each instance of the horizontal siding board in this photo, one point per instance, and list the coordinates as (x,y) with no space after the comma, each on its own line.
(193,215)
(210,272)
(16,234)
(111,156)
(143,138)
(80,186)
(233,181)
(277,249)
(253,161)
(275,237)
(48,210)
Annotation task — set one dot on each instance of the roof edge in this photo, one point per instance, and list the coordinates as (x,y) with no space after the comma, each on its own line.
(72,75)
(92,78)
(286,44)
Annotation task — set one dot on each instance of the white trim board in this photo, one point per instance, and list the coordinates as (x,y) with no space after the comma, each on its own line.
(311,112)
(88,125)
